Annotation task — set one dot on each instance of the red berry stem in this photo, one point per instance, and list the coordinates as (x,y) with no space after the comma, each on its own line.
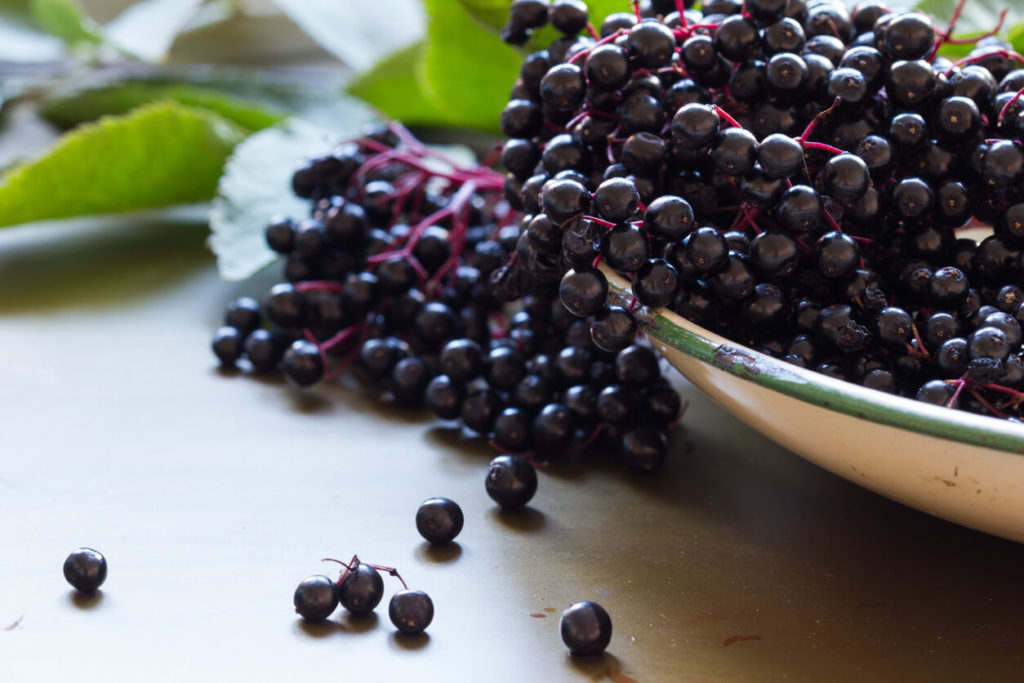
(1006,107)
(822,146)
(816,120)
(972,59)
(725,115)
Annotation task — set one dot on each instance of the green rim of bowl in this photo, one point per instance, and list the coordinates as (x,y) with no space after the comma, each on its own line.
(817,389)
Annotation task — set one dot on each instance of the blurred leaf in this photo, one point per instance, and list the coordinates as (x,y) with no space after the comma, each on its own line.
(256,187)
(493,13)
(65,19)
(392,88)
(89,105)
(358,33)
(147,28)
(159,155)
(1016,37)
(466,69)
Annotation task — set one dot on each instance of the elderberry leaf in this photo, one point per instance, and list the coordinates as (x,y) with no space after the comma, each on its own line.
(65,19)
(147,28)
(466,69)
(256,187)
(158,155)
(357,33)
(120,98)
(392,88)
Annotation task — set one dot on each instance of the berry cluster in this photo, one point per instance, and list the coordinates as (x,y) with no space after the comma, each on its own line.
(410,272)
(360,589)
(789,173)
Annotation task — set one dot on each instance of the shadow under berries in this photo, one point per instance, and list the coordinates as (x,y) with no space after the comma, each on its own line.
(520,520)
(409,641)
(319,629)
(358,623)
(438,554)
(85,601)
(103,263)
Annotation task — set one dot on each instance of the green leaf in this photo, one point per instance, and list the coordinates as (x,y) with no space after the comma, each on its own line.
(493,13)
(256,187)
(466,69)
(89,105)
(159,155)
(65,19)
(147,28)
(357,33)
(1016,36)
(392,88)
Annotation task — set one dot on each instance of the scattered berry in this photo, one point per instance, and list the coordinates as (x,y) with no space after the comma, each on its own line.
(586,628)
(511,481)
(316,598)
(85,569)
(439,520)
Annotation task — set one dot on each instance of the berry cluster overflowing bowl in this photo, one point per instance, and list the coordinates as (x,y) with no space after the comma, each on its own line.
(955,465)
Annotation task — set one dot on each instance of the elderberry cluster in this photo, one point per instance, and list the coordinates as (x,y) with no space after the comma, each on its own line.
(359,590)
(789,173)
(408,273)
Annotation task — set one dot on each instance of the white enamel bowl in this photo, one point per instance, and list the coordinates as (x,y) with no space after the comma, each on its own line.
(965,468)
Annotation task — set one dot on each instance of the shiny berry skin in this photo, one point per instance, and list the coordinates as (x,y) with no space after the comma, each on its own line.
(563,86)
(552,428)
(616,199)
(837,255)
(607,67)
(361,590)
(444,397)
(707,249)
(911,84)
(316,598)
(849,84)
(411,611)
(439,520)
(695,125)
(910,35)
(563,199)
(511,481)
(511,431)
(280,235)
(734,151)
(780,156)
(614,328)
(737,38)
(671,218)
(651,44)
(655,284)
(583,291)
(85,569)
(801,209)
(846,177)
(228,345)
(625,248)
(302,363)
(958,118)
(643,449)
(586,629)
(568,16)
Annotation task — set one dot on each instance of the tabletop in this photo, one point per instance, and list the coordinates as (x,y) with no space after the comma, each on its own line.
(212,494)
